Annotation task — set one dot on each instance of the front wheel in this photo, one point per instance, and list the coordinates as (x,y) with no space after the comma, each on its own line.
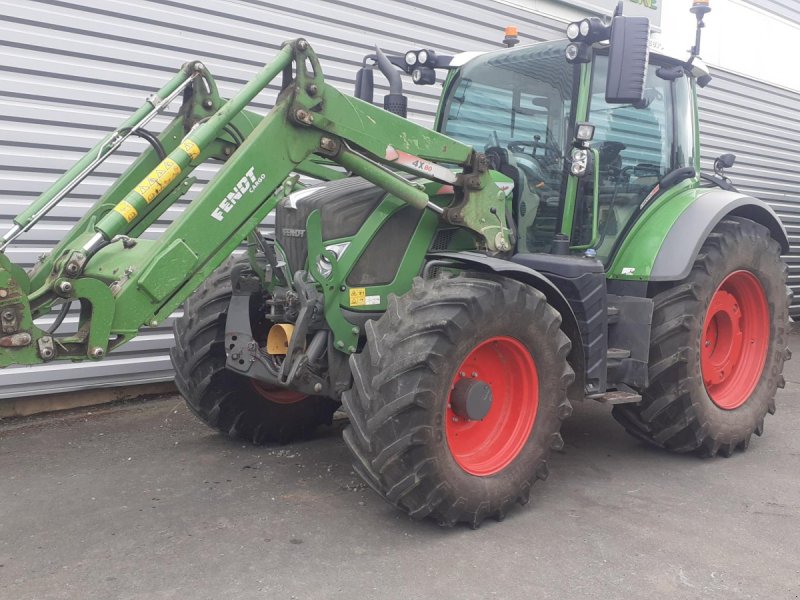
(231,403)
(718,344)
(458,398)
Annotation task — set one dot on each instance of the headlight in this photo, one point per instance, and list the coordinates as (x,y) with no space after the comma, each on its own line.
(585,27)
(410,58)
(580,162)
(422,57)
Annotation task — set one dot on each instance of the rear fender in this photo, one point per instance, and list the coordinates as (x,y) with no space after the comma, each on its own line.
(664,244)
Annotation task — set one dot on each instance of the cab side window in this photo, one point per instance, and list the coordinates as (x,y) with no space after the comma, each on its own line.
(634,145)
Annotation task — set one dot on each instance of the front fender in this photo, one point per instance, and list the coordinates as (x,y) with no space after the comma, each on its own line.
(528,276)
(665,242)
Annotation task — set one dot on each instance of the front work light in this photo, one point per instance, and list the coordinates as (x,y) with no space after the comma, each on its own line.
(588,30)
(584,132)
(573,31)
(423,76)
(578,53)
(425,58)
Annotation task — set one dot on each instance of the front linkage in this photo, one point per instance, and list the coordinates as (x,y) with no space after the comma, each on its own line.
(123,282)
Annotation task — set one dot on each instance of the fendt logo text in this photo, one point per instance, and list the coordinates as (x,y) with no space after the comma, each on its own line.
(246,185)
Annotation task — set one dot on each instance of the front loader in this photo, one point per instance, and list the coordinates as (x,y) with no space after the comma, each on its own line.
(456,289)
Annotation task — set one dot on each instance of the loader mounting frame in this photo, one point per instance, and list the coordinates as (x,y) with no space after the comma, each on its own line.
(124,282)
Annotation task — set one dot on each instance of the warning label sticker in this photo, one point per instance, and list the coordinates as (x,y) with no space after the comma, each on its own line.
(127,211)
(158,179)
(192,149)
(358,296)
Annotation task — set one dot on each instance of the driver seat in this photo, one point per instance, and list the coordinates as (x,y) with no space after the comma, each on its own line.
(526,206)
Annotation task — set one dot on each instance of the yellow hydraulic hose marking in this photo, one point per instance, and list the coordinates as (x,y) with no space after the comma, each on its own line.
(158,179)
(192,149)
(127,211)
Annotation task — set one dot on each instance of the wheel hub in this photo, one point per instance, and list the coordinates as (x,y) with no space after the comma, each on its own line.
(735,340)
(471,399)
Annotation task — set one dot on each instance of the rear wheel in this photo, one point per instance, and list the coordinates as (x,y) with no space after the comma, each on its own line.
(235,405)
(718,344)
(458,398)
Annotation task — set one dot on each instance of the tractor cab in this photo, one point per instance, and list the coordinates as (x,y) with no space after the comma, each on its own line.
(584,164)
(588,133)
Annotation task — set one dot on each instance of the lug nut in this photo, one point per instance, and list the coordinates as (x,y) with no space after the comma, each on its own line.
(3,293)
(65,287)
(97,352)
(318,387)
(8,315)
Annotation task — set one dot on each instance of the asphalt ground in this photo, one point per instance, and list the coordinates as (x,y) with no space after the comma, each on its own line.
(141,501)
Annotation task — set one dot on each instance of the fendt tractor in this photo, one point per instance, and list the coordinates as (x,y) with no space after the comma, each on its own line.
(455,290)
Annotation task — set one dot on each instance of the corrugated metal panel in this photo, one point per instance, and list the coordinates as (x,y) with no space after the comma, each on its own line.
(788,9)
(70,71)
(760,123)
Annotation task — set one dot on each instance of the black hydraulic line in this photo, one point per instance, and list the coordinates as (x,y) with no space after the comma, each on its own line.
(237,131)
(62,314)
(235,134)
(151,139)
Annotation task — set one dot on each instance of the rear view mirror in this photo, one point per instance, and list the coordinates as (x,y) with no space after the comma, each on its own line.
(627,61)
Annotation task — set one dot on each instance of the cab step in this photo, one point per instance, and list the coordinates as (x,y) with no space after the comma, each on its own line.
(618,397)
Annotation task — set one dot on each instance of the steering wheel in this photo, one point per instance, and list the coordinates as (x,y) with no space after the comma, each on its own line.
(518,146)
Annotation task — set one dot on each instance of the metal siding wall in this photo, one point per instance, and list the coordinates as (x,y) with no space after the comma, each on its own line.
(70,71)
(788,9)
(760,123)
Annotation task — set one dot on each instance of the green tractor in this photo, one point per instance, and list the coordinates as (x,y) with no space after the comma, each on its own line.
(455,290)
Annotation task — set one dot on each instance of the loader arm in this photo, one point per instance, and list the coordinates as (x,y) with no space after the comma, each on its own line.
(124,282)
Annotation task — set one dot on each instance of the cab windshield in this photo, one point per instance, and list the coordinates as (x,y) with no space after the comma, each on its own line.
(515,106)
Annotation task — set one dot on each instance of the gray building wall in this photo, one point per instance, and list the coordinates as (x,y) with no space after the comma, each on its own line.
(70,71)
(788,9)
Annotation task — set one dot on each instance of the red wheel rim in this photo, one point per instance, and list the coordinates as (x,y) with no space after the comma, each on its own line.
(488,446)
(735,340)
(276,394)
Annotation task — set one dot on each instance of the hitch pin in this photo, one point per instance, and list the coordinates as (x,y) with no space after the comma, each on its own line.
(114,141)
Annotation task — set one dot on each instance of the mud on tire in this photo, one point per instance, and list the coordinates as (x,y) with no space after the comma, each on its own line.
(678,412)
(224,400)
(402,381)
